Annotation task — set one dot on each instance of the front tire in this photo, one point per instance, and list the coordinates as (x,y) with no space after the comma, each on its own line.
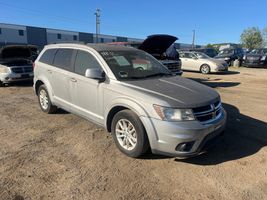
(129,134)
(205,69)
(44,100)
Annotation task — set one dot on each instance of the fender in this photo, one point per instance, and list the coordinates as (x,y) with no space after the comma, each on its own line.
(127,103)
(47,85)
(137,108)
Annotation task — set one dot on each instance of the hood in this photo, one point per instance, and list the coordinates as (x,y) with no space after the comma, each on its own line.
(157,44)
(223,55)
(176,91)
(15,51)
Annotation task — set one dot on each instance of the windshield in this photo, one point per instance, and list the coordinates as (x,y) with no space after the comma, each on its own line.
(202,55)
(226,51)
(127,65)
(258,51)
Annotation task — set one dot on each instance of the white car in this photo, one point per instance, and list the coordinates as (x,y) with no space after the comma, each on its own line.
(196,61)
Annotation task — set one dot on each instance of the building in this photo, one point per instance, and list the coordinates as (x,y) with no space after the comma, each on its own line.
(18,34)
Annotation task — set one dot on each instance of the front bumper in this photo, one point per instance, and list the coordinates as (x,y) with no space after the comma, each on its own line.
(254,64)
(221,68)
(166,138)
(15,77)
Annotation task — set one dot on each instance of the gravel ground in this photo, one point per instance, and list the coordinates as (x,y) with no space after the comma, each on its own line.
(63,156)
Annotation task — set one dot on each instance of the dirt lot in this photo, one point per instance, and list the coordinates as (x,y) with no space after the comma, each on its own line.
(63,156)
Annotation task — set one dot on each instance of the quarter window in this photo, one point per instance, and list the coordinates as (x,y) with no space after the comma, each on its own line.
(84,61)
(48,56)
(63,59)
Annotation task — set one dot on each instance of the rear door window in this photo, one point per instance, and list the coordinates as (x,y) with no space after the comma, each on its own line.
(85,60)
(48,56)
(64,59)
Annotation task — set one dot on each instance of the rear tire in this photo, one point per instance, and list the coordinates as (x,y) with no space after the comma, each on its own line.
(44,100)
(129,134)
(205,69)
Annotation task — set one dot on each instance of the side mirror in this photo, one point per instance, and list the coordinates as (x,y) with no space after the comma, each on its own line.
(95,73)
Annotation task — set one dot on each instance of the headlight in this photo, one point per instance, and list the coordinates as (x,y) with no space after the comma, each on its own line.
(173,114)
(3,69)
(226,58)
(244,57)
(263,58)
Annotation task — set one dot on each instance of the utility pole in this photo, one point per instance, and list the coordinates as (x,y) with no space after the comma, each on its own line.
(193,40)
(97,22)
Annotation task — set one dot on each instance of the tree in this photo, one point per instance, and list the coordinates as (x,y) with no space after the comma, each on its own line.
(252,38)
(264,35)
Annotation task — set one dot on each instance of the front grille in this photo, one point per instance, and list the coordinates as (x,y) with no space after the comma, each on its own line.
(209,112)
(20,70)
(173,67)
(17,70)
(28,69)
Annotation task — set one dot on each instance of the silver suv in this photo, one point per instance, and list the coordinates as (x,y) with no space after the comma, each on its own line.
(132,95)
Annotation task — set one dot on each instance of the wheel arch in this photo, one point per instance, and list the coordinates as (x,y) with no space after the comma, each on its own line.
(124,104)
(44,81)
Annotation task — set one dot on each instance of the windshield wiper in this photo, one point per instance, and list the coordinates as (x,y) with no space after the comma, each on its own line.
(158,74)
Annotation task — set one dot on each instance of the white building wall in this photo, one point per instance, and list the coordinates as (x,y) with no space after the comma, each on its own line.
(10,34)
(66,36)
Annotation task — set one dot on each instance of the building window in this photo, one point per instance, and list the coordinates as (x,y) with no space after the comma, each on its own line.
(0,31)
(113,40)
(102,40)
(75,37)
(21,32)
(59,36)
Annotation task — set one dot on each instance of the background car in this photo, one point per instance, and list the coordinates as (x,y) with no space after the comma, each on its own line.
(16,63)
(208,51)
(196,61)
(255,58)
(230,55)
(157,45)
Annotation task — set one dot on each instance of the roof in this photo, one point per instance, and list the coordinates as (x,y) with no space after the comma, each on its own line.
(97,47)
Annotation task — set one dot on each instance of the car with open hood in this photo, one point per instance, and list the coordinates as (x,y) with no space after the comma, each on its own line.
(142,106)
(255,58)
(200,62)
(16,63)
(157,45)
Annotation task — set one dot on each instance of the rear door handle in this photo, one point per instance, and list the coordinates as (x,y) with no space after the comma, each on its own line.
(73,80)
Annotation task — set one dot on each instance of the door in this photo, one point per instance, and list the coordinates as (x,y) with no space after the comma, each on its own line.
(86,94)
(63,67)
(189,61)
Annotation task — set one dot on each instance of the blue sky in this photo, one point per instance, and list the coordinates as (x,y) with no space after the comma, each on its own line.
(214,21)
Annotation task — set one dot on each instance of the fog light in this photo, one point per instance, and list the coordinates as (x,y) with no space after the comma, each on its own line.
(185,146)
(7,78)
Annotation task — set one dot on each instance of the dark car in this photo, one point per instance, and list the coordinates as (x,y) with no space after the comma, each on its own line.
(256,58)
(157,45)
(230,55)
(208,51)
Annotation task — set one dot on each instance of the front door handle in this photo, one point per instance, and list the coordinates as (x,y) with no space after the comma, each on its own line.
(73,80)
